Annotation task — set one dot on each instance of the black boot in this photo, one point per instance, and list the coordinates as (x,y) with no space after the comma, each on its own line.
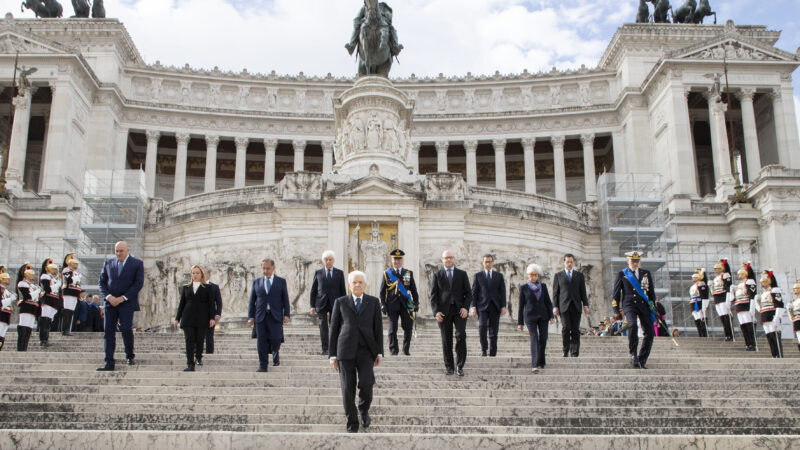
(773,347)
(565,342)
(44,331)
(1,345)
(779,343)
(66,322)
(3,341)
(23,335)
(189,367)
(699,324)
(748,331)
(705,328)
(726,325)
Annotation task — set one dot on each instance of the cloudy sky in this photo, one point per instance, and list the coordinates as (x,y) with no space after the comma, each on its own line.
(448,36)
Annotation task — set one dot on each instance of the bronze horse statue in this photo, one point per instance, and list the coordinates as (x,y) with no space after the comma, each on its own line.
(685,14)
(660,9)
(703,10)
(46,8)
(374,54)
(643,15)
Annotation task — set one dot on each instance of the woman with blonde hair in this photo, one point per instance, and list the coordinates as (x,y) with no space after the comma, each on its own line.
(535,311)
(195,316)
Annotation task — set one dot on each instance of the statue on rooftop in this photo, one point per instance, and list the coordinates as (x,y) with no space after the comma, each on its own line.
(375,39)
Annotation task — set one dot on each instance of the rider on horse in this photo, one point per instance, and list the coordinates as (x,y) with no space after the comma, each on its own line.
(386,20)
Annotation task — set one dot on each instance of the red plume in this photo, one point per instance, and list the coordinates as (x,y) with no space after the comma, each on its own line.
(747,266)
(770,274)
(724,261)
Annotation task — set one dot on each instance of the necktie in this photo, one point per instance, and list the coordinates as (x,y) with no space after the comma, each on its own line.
(119,267)
(450,275)
(358,304)
(329,274)
(269,285)
(569,276)
(489,275)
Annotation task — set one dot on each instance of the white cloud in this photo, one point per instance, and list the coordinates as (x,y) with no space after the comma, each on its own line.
(448,36)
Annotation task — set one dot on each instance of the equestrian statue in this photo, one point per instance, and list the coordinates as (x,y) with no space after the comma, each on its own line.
(375,39)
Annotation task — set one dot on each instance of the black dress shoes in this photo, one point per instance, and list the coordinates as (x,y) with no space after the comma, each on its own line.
(449,371)
(460,372)
(189,368)
(105,369)
(199,361)
(276,361)
(365,420)
(634,362)
(565,355)
(406,352)
(352,429)
(642,364)
(262,369)
(131,361)
(483,353)
(395,353)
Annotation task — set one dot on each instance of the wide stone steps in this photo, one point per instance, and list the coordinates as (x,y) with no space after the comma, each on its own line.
(703,389)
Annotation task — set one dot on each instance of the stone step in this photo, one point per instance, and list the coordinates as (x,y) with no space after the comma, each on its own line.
(393,437)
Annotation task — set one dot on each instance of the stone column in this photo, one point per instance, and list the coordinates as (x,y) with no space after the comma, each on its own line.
(471,148)
(499,163)
(559,171)
(180,166)
(299,155)
(415,156)
(441,156)
(269,161)
(719,143)
(751,148)
(18,147)
(589,180)
(241,162)
(151,158)
(122,149)
(528,144)
(58,129)
(618,144)
(327,156)
(212,142)
(780,127)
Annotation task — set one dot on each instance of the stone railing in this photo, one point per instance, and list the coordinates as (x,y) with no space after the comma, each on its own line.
(219,203)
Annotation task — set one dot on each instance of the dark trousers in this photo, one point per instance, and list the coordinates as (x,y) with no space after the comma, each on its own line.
(538,332)
(408,328)
(194,343)
(643,314)
(352,373)
(488,324)
(453,319)
(571,330)
(324,316)
(124,315)
(264,344)
(209,338)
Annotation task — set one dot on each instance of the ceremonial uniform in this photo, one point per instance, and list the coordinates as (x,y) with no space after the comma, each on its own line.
(721,290)
(696,302)
(399,300)
(743,296)
(28,304)
(7,300)
(629,299)
(767,303)
(71,290)
(51,288)
(794,313)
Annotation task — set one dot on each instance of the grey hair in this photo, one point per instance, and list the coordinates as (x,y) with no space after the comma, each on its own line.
(352,275)
(328,254)
(269,260)
(533,268)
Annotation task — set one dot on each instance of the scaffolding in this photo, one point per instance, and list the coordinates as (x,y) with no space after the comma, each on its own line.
(113,209)
(632,218)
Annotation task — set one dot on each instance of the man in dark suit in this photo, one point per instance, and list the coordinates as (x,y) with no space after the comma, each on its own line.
(398,289)
(120,282)
(81,313)
(356,346)
(94,320)
(217,297)
(268,311)
(451,297)
(488,304)
(629,286)
(569,299)
(328,285)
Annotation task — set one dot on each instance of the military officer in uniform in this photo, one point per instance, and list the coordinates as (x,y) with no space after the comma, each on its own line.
(721,290)
(633,294)
(399,297)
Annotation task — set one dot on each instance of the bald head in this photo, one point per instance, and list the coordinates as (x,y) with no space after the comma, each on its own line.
(448,259)
(121,250)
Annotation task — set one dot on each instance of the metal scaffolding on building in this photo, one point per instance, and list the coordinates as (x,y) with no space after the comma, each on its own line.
(113,209)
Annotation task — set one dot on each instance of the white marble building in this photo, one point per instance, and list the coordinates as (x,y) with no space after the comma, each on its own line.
(242,166)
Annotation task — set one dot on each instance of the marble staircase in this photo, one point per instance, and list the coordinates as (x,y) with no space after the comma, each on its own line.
(704,393)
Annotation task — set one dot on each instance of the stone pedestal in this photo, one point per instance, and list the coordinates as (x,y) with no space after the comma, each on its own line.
(373,123)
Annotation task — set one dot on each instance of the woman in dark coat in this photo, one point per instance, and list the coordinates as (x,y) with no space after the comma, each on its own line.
(535,311)
(195,316)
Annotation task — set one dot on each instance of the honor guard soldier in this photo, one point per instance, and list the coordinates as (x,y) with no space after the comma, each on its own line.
(634,294)
(794,311)
(399,299)
(51,288)
(28,303)
(767,303)
(7,300)
(720,289)
(696,301)
(743,296)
